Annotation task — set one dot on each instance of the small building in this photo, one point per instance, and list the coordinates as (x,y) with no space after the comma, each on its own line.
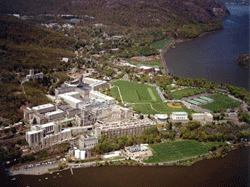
(202,117)
(33,76)
(161,118)
(117,37)
(134,149)
(208,117)
(198,117)
(179,117)
(87,142)
(148,69)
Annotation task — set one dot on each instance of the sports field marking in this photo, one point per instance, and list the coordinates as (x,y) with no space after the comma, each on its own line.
(151,94)
(172,106)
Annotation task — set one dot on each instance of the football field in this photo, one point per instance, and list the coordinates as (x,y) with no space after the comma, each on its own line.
(136,93)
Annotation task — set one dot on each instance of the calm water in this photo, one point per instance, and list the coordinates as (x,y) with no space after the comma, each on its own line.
(230,171)
(213,55)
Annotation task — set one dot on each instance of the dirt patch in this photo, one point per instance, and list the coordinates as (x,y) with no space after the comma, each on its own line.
(172,106)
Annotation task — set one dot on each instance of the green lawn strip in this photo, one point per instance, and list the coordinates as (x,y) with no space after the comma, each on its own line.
(220,101)
(160,44)
(115,92)
(136,93)
(145,109)
(150,63)
(185,93)
(170,151)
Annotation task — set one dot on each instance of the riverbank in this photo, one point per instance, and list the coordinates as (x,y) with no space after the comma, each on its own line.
(41,170)
(173,43)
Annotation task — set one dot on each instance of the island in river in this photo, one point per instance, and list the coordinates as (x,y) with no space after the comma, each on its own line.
(243,60)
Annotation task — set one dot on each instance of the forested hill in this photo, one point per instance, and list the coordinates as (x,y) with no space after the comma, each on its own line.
(24,46)
(170,14)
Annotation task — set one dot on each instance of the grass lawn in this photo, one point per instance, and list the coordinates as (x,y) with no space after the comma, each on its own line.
(142,95)
(185,93)
(170,151)
(151,63)
(220,101)
(160,44)
(144,109)
(136,93)
(115,92)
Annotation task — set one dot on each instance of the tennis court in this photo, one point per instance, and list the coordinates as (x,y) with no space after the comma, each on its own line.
(193,102)
(205,98)
(200,100)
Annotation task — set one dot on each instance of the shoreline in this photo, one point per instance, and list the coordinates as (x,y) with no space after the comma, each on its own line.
(42,171)
(168,47)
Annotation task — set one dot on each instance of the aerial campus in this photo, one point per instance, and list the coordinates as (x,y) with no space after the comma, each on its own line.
(101,106)
(146,125)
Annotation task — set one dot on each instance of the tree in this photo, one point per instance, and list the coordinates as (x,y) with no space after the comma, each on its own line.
(244,117)
(13,130)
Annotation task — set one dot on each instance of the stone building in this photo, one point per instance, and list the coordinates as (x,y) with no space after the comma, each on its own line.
(161,118)
(85,118)
(202,117)
(179,117)
(120,128)
(33,76)
(87,142)
(41,136)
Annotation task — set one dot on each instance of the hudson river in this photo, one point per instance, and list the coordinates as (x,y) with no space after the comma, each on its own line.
(213,55)
(230,171)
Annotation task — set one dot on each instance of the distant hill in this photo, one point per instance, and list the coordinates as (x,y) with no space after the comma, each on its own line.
(125,12)
(177,18)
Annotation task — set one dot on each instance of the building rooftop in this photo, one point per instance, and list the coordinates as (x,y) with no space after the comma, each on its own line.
(198,114)
(54,112)
(179,113)
(42,106)
(68,96)
(98,94)
(47,124)
(161,116)
(33,132)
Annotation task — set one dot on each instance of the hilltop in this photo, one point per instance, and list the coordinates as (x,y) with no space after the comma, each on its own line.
(176,17)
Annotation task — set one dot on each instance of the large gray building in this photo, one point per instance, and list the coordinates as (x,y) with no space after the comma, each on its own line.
(87,142)
(45,135)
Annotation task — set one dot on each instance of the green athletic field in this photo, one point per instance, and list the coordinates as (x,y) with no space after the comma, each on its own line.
(135,93)
(220,101)
(170,151)
(140,96)
(151,63)
(185,93)
(160,44)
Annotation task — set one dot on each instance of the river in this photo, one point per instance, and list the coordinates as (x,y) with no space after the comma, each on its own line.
(213,55)
(231,171)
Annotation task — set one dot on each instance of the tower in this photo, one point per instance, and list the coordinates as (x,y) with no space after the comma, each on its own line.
(31,72)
